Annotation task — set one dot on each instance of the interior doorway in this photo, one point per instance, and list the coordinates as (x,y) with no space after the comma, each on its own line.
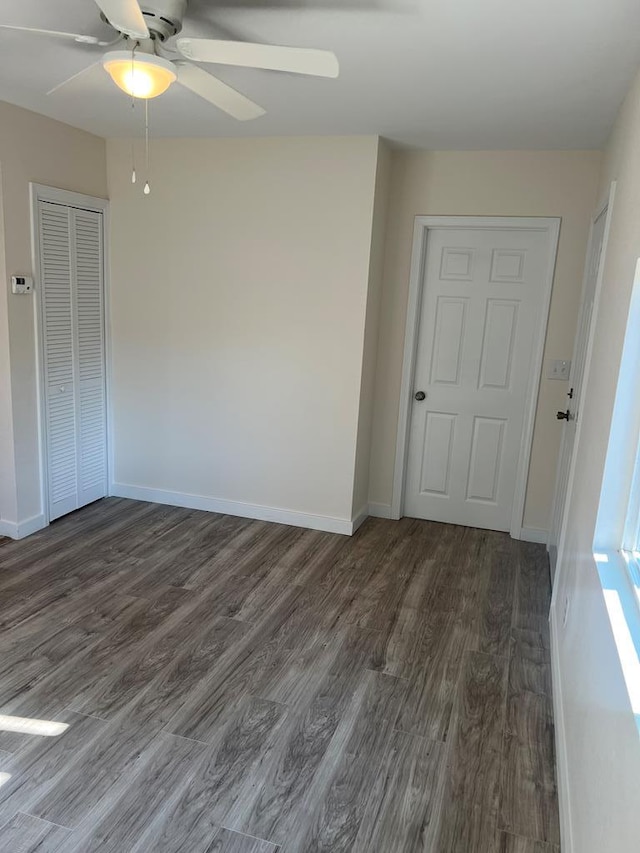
(479,302)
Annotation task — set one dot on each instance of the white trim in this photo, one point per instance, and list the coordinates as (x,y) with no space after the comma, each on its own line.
(8,528)
(40,192)
(562,761)
(359,518)
(420,234)
(227,507)
(533,534)
(22,528)
(380,510)
(608,204)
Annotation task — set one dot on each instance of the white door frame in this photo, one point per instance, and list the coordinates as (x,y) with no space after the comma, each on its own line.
(605,203)
(40,192)
(418,257)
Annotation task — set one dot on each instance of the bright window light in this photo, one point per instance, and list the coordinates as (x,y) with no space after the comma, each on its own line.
(626,647)
(29,726)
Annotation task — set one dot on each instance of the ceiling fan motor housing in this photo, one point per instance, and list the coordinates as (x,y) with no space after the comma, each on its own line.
(163,17)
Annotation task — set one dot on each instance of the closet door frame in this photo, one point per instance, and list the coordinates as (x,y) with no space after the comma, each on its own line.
(38,193)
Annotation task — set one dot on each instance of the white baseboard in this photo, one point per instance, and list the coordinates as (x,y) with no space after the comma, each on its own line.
(380,510)
(8,528)
(227,507)
(22,528)
(359,518)
(562,763)
(534,534)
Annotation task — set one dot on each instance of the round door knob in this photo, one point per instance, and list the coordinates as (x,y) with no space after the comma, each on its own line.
(563,416)
(420,395)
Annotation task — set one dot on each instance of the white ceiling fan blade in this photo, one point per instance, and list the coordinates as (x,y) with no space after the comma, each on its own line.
(126,16)
(299,60)
(74,36)
(217,93)
(94,70)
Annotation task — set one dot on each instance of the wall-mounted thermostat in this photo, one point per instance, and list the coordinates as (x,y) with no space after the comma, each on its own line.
(21,284)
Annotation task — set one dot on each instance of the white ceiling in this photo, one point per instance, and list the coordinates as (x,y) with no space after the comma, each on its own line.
(440,74)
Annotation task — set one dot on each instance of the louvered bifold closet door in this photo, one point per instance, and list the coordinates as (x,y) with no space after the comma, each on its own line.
(87,255)
(59,390)
(72,294)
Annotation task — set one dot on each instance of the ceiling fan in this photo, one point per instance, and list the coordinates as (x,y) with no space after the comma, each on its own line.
(144,59)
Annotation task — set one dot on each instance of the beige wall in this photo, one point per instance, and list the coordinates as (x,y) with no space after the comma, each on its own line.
(40,150)
(601,735)
(238,300)
(371,332)
(8,491)
(496,183)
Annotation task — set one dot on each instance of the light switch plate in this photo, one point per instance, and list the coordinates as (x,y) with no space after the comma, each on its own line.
(559,369)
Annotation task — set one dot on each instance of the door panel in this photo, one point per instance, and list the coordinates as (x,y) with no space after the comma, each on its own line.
(436,457)
(578,364)
(59,390)
(447,340)
(482,299)
(91,414)
(486,459)
(501,323)
(71,284)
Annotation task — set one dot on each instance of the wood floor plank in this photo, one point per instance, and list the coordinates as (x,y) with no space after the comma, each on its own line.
(163,697)
(53,635)
(67,684)
(530,665)
(473,774)
(529,716)
(291,675)
(232,677)
(22,559)
(189,547)
(529,798)
(27,834)
(235,762)
(97,771)
(297,756)
(495,618)
(310,557)
(44,762)
(533,590)
(126,679)
(516,844)
(433,678)
(405,805)
(338,801)
(226,841)
(122,823)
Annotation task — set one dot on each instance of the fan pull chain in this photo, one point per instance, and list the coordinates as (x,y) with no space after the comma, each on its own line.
(133,108)
(147,187)
(133,160)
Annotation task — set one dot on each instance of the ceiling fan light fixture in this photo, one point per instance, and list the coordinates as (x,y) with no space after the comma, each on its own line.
(143,76)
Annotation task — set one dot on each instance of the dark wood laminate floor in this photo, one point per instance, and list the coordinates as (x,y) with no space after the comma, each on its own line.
(242,687)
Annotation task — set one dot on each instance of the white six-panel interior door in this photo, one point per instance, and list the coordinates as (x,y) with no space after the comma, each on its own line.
(483,302)
(593,266)
(71,282)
